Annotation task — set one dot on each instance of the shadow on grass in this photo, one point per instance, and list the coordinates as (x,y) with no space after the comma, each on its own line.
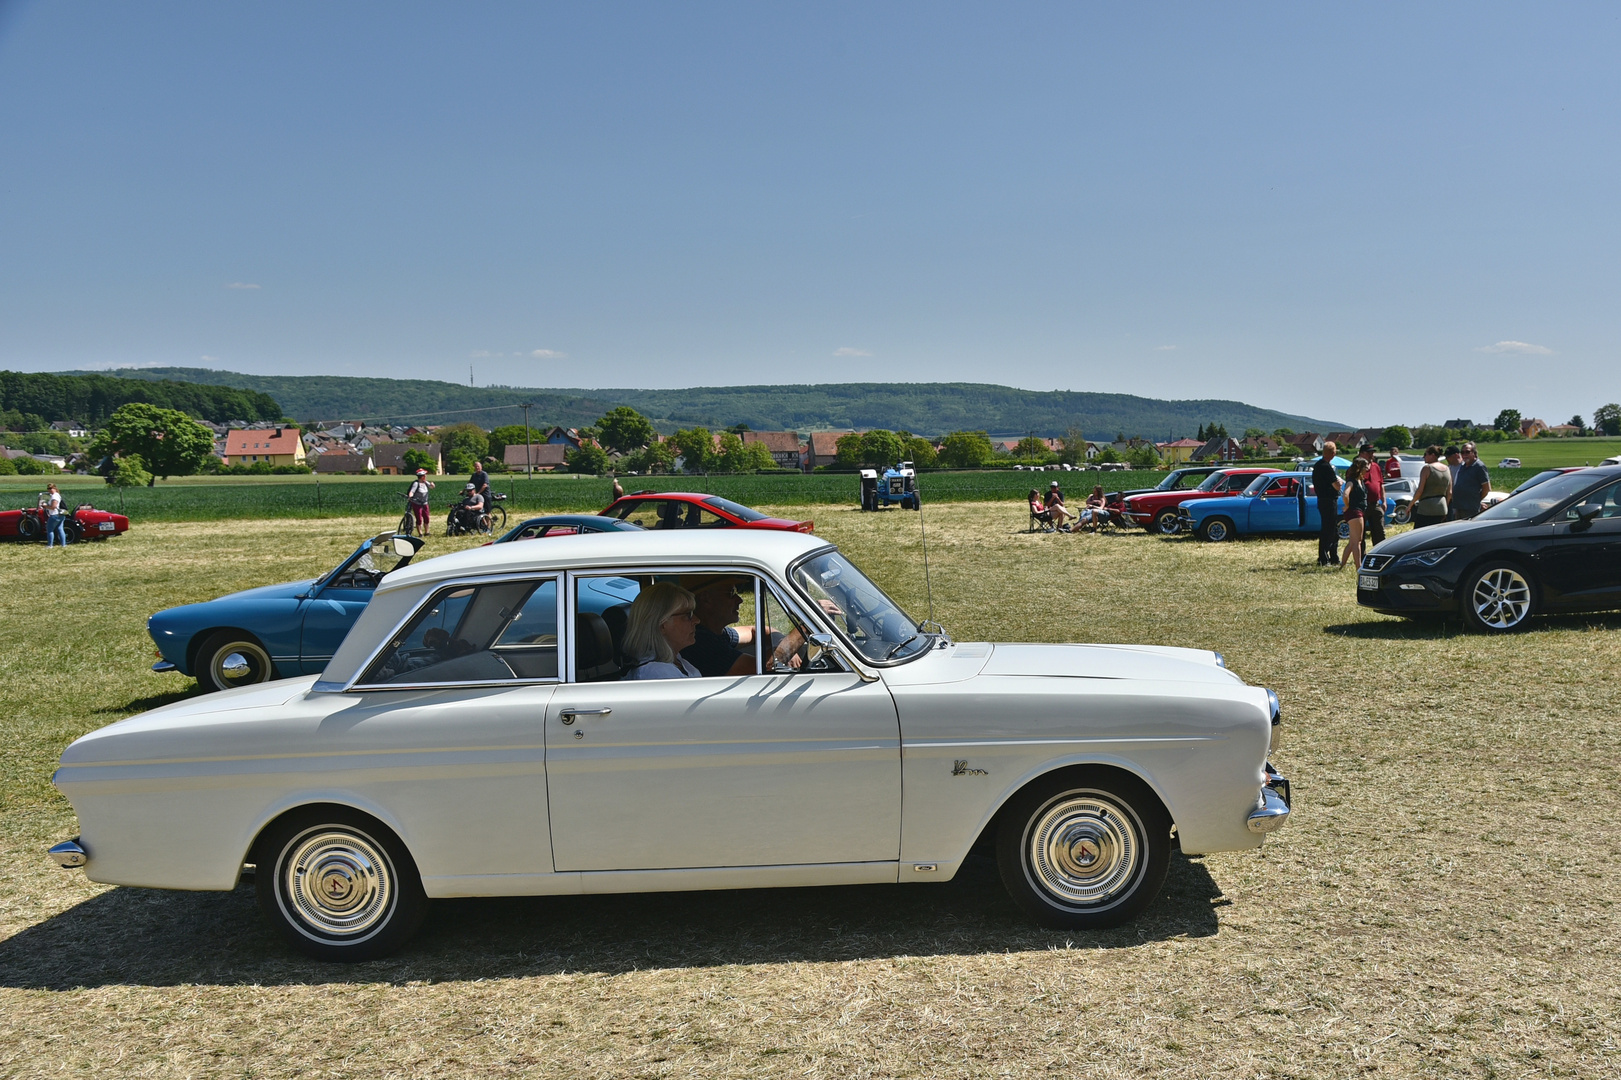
(1437,629)
(152,701)
(155,938)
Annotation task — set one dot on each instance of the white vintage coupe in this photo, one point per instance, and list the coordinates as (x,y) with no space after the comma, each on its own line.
(481,732)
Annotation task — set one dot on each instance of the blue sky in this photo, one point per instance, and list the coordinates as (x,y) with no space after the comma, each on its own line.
(1378,213)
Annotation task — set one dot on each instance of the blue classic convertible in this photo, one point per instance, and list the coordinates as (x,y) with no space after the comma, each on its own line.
(1276,504)
(276,631)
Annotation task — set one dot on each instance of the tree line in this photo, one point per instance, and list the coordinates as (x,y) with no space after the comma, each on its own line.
(30,401)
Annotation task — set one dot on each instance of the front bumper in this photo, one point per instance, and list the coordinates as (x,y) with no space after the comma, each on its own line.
(1271,811)
(1402,592)
(164,665)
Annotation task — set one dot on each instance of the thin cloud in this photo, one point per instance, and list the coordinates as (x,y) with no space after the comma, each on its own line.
(1166,348)
(845,350)
(548,354)
(1525,348)
(209,359)
(240,285)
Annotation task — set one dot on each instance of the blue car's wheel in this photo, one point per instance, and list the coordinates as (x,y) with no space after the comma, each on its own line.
(232,658)
(1216,529)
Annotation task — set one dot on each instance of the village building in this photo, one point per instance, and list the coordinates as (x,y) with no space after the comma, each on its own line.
(822,448)
(390,458)
(1177,452)
(1220,448)
(249,446)
(343,464)
(784,446)
(542,457)
(1532,428)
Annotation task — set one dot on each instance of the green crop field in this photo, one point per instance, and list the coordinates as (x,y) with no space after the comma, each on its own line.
(1551,453)
(1442,903)
(213,498)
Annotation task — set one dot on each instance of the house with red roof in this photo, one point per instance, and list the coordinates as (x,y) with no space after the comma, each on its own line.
(278,446)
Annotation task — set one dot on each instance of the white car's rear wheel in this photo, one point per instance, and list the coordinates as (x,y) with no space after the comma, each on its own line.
(338,885)
(1084,850)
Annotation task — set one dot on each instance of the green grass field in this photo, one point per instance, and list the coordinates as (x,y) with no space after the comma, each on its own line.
(1551,453)
(1442,904)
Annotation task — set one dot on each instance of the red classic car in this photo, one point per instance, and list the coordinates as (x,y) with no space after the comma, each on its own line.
(85,523)
(684,510)
(1156,510)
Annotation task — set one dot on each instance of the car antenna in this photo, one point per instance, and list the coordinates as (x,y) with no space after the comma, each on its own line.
(928,587)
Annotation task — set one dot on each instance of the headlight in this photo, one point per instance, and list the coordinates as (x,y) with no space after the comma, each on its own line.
(1425,558)
(1221,661)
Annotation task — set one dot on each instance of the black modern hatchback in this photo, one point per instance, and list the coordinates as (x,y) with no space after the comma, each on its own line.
(1554,547)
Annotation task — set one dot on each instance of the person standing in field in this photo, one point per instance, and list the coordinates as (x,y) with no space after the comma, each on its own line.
(1432,497)
(1374,520)
(56,522)
(417,499)
(1454,463)
(1326,482)
(1356,509)
(1472,484)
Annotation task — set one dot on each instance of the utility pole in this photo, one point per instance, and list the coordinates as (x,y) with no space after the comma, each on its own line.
(528,443)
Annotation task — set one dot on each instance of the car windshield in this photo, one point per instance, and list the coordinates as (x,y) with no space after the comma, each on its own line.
(1173,482)
(874,624)
(375,558)
(1259,484)
(737,510)
(1539,478)
(1533,502)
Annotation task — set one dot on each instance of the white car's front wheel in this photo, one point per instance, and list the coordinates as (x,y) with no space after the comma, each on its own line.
(1084,849)
(338,885)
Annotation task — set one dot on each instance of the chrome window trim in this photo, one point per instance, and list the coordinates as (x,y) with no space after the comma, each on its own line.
(324,687)
(853,654)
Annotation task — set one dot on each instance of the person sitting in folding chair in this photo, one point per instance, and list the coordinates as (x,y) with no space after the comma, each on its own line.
(1040,518)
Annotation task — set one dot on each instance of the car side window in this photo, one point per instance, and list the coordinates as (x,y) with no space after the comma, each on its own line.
(654,513)
(1606,498)
(1239,483)
(497,632)
(1281,487)
(785,641)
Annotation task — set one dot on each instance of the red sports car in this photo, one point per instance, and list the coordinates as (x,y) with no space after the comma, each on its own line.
(684,510)
(85,523)
(1156,510)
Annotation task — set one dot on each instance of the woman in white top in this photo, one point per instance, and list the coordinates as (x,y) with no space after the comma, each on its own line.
(662,622)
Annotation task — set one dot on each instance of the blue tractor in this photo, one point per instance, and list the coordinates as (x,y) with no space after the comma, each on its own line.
(897,484)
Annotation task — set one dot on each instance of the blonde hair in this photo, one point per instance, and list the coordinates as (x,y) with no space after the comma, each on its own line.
(655,604)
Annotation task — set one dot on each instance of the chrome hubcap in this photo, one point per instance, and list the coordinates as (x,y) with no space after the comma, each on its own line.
(1217,531)
(1502,598)
(1084,849)
(338,882)
(241,664)
(1167,525)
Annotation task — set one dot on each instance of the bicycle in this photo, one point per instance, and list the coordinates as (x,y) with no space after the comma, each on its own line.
(408,520)
(497,514)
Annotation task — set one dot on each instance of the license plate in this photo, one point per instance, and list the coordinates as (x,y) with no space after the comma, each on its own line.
(1368,581)
(105,526)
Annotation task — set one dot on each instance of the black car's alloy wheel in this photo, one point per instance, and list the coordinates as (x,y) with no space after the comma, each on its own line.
(1498,598)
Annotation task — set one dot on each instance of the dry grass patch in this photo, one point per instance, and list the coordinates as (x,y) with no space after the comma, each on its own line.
(1442,904)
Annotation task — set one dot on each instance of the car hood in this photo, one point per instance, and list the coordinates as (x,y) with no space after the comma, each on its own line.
(1446,534)
(290,590)
(1147,663)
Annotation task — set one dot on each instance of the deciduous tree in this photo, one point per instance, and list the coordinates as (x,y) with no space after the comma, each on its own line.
(1607,418)
(1507,420)
(169,442)
(965,449)
(624,429)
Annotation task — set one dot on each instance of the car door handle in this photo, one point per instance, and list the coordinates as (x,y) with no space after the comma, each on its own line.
(568,715)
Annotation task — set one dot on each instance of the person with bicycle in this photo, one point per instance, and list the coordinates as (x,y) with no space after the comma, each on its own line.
(469,513)
(416,500)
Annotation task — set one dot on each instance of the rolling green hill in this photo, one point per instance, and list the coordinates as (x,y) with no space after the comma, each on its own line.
(923,408)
